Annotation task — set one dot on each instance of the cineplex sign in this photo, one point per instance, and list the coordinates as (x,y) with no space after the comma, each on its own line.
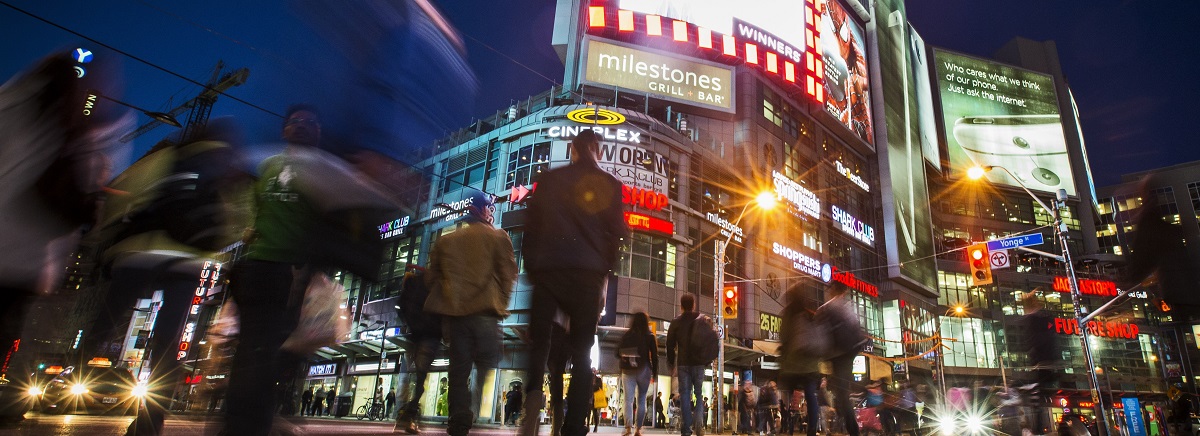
(659,74)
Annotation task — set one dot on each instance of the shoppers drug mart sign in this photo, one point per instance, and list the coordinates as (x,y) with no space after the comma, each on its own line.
(803,263)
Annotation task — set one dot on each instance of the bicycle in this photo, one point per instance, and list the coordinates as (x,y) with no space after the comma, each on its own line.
(372,411)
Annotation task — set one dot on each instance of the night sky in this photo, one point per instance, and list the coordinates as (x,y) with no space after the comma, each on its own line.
(1132,64)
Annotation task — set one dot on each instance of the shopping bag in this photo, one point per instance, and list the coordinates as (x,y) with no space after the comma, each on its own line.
(322,320)
(868,419)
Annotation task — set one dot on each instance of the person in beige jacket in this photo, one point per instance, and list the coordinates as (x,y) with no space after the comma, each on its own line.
(471,275)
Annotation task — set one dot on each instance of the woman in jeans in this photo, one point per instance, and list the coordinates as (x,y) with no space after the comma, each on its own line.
(638,356)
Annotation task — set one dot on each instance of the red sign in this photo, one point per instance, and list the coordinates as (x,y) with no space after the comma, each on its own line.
(847,278)
(638,197)
(1102,288)
(1104,329)
(638,221)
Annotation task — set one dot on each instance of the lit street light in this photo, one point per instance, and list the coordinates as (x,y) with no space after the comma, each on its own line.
(765,201)
(1060,231)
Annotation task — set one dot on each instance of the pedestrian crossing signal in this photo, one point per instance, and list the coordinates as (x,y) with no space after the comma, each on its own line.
(729,302)
(980,262)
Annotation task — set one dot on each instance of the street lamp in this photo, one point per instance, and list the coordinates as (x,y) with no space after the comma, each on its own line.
(765,201)
(164,118)
(1060,231)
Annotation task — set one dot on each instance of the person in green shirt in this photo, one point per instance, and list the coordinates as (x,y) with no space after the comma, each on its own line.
(268,285)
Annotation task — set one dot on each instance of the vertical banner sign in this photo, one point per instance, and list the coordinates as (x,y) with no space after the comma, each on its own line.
(1133,416)
(209,273)
(908,112)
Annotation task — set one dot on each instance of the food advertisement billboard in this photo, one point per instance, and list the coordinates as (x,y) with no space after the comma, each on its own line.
(669,77)
(909,132)
(847,82)
(999,115)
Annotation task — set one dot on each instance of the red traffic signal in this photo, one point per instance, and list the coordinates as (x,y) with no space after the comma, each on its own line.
(729,302)
(980,263)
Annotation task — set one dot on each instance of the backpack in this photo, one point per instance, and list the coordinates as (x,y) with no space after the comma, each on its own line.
(704,344)
(413,293)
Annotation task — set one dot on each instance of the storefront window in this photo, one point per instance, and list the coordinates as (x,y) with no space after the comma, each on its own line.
(526,164)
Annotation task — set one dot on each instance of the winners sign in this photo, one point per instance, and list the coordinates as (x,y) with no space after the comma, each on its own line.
(661,75)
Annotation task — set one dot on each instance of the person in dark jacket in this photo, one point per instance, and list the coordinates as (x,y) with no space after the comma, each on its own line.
(768,405)
(306,399)
(424,334)
(637,354)
(745,406)
(683,363)
(848,339)
(575,228)
(1044,352)
(800,368)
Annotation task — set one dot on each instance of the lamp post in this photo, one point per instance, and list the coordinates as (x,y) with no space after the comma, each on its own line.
(1060,231)
(765,201)
(164,118)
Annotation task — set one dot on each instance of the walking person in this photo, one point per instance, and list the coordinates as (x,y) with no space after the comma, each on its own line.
(330,397)
(768,405)
(745,406)
(389,401)
(471,275)
(560,354)
(660,415)
(574,231)
(684,362)
(846,340)
(306,400)
(512,405)
(599,400)
(318,399)
(1044,353)
(424,334)
(803,344)
(637,354)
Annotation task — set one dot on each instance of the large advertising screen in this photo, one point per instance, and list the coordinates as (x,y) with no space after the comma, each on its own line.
(847,83)
(778,24)
(1000,115)
(658,74)
(909,132)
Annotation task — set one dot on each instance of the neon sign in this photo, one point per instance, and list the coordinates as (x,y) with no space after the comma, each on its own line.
(611,134)
(728,229)
(847,278)
(854,178)
(645,222)
(801,262)
(797,195)
(638,197)
(595,116)
(853,226)
(1100,288)
(393,228)
(209,273)
(1104,329)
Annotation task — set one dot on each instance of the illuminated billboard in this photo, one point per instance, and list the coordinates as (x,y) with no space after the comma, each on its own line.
(1000,115)
(777,37)
(775,23)
(668,77)
(847,83)
(910,132)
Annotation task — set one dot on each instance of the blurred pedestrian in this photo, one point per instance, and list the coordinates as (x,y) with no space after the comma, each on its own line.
(767,407)
(306,401)
(661,417)
(330,398)
(637,354)
(560,354)
(1044,352)
(52,166)
(847,339)
(804,344)
(745,404)
(389,401)
(424,334)
(599,399)
(574,231)
(318,399)
(269,284)
(512,404)
(471,275)
(682,357)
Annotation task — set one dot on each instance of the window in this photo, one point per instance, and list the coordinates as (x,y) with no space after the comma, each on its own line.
(525,164)
(650,258)
(780,113)
(976,343)
(1166,204)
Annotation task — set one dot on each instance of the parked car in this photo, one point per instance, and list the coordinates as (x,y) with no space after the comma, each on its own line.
(92,390)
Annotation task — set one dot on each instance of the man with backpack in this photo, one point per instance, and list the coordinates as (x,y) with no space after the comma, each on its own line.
(847,339)
(691,341)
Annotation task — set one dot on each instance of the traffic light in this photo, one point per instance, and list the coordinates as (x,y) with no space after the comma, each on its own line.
(981,265)
(729,302)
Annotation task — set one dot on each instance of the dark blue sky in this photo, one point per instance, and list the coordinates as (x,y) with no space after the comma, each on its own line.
(1132,64)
